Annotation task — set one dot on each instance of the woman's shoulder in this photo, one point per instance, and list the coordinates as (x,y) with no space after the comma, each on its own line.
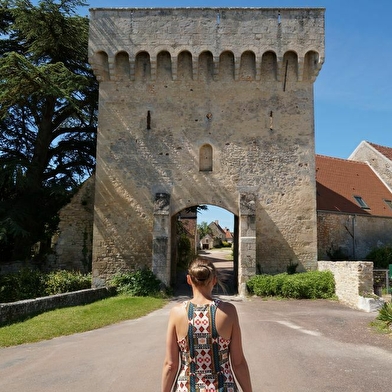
(226,307)
(180,305)
(178,308)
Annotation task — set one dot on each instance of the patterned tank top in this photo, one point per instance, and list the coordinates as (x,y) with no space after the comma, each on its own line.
(205,365)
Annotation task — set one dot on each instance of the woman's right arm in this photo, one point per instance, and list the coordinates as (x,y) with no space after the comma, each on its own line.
(171,362)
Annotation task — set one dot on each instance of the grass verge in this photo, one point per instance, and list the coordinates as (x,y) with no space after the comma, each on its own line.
(68,321)
(381,327)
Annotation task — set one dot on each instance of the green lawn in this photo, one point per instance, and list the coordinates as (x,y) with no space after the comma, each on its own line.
(68,321)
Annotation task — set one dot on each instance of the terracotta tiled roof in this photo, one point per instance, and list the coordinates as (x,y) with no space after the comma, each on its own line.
(386,151)
(339,180)
(229,236)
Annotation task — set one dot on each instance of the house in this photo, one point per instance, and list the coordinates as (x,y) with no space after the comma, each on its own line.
(354,209)
(378,157)
(228,235)
(188,227)
(216,237)
(218,233)
(207,242)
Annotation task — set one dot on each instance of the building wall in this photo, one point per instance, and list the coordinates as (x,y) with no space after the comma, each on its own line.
(354,235)
(380,164)
(73,242)
(205,106)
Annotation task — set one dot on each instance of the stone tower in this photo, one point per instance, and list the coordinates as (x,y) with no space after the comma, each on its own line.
(205,106)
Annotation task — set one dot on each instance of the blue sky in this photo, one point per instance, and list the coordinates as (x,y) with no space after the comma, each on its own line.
(353,92)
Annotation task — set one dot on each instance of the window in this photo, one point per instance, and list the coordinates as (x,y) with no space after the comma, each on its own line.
(389,203)
(361,202)
(205,158)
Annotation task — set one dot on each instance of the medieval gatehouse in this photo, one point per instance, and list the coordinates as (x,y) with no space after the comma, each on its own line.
(205,106)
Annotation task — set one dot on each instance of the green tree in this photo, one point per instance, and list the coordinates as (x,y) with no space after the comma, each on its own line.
(203,229)
(48,116)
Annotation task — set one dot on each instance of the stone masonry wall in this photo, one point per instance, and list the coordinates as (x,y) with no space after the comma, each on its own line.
(354,235)
(354,282)
(73,242)
(204,105)
(13,311)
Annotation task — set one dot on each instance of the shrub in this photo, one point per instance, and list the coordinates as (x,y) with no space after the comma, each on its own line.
(25,284)
(385,314)
(291,268)
(337,254)
(381,257)
(141,283)
(66,281)
(312,285)
(261,285)
(29,283)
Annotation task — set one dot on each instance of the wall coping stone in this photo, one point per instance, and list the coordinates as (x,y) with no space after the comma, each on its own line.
(12,311)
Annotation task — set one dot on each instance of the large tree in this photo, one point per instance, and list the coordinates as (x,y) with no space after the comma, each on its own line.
(48,116)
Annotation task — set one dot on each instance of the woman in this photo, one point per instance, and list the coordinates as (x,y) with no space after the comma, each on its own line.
(207,336)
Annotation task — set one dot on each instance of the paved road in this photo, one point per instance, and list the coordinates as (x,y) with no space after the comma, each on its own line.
(291,346)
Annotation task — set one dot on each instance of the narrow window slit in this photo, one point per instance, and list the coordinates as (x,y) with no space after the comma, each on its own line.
(148,119)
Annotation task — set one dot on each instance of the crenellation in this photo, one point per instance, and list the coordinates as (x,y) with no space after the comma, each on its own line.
(194,33)
(107,68)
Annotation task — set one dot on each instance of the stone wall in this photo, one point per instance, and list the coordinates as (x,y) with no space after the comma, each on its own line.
(354,283)
(354,235)
(205,106)
(73,241)
(13,311)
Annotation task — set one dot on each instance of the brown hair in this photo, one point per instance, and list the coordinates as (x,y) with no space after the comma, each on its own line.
(201,272)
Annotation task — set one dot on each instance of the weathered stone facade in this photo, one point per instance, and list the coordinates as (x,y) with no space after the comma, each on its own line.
(354,283)
(205,106)
(73,242)
(354,235)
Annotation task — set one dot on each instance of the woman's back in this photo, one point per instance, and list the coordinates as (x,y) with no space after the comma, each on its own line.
(205,364)
(225,316)
(207,336)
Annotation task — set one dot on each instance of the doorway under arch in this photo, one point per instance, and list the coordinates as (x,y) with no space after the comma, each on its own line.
(192,229)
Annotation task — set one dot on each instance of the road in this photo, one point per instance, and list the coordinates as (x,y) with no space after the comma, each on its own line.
(291,346)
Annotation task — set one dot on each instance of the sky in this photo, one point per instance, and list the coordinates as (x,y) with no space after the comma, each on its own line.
(353,97)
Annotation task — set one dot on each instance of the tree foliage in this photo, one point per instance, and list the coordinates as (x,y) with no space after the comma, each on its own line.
(381,257)
(203,229)
(48,116)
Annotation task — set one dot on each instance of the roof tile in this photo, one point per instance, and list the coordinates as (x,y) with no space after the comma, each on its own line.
(339,180)
(386,151)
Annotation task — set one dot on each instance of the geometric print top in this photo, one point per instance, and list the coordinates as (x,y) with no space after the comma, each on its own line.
(205,365)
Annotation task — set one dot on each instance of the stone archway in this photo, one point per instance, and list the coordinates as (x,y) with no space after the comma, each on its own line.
(166,141)
(245,238)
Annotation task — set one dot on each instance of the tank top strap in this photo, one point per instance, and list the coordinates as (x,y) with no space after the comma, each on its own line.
(215,342)
(191,343)
(216,302)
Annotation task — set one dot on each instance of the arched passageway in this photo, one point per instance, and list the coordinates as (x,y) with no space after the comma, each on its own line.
(210,233)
